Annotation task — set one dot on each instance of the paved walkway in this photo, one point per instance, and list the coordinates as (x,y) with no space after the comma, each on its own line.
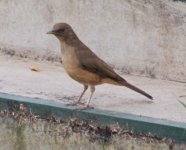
(52,83)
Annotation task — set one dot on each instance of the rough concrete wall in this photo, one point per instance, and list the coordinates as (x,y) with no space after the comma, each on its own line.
(144,37)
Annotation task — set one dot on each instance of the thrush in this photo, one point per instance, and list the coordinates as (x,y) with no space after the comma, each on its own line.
(85,66)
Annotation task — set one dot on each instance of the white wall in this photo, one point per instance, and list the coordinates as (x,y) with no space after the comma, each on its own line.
(144,37)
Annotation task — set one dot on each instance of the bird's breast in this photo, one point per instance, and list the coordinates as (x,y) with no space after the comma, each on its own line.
(69,58)
(74,69)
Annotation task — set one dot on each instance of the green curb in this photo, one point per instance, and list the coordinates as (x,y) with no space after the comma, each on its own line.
(180,0)
(139,124)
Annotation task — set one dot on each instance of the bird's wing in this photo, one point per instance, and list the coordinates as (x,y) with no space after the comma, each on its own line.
(91,62)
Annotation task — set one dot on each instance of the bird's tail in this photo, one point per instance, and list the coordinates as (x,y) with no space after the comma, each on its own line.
(132,87)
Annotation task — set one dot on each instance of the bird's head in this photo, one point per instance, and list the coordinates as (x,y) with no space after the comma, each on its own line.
(63,32)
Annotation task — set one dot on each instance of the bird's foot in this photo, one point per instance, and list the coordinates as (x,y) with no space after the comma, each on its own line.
(85,107)
(75,103)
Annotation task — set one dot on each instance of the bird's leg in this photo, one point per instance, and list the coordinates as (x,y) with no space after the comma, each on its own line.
(79,99)
(92,89)
(85,88)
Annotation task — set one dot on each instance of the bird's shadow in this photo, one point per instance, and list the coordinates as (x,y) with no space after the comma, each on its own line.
(125,100)
(137,101)
(68,99)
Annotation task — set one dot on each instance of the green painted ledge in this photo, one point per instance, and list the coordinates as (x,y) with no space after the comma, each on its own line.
(180,0)
(139,124)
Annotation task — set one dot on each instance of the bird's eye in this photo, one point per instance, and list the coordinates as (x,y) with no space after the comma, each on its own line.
(61,30)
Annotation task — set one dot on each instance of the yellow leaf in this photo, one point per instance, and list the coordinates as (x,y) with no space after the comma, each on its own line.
(35,68)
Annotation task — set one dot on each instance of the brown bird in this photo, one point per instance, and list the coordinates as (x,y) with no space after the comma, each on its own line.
(83,65)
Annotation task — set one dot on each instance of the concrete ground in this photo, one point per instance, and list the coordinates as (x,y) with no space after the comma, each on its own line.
(52,83)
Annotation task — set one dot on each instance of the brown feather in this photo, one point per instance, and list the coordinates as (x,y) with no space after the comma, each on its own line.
(91,62)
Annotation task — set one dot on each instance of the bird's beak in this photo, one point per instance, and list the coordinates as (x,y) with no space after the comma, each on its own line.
(50,32)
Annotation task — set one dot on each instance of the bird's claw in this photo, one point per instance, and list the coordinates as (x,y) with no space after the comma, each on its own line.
(85,108)
(75,103)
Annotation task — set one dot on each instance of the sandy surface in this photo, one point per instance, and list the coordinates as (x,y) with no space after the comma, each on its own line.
(53,83)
